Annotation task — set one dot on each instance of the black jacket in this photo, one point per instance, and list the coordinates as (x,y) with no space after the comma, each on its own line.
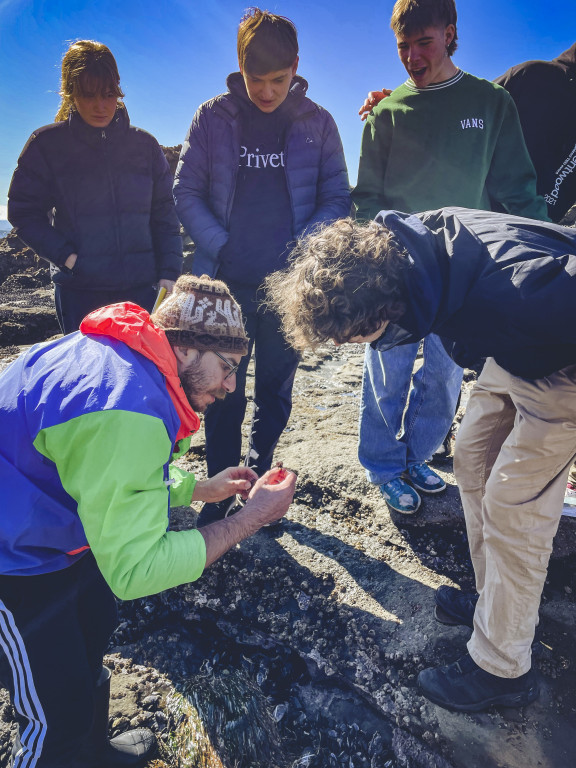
(491,285)
(103,194)
(545,94)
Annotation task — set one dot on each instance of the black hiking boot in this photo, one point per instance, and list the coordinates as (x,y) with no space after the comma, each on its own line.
(455,607)
(465,687)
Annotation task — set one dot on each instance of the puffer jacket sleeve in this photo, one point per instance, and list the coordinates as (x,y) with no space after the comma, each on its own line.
(192,189)
(333,191)
(30,201)
(164,224)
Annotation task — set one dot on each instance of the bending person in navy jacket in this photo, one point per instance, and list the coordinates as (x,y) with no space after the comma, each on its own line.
(490,285)
(261,164)
(93,196)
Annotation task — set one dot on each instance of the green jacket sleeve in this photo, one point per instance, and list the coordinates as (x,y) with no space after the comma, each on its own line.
(368,195)
(511,180)
(181,487)
(111,463)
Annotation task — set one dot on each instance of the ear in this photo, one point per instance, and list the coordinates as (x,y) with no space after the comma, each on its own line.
(449,33)
(295,65)
(185,355)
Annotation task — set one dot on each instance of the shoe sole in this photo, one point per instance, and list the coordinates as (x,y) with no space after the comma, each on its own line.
(511,700)
(406,476)
(420,489)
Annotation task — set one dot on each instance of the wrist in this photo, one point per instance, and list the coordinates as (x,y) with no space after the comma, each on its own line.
(198,492)
(69,263)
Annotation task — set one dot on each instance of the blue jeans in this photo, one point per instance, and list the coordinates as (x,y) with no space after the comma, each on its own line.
(392,436)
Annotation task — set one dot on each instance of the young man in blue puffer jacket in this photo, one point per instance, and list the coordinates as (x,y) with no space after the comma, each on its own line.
(261,165)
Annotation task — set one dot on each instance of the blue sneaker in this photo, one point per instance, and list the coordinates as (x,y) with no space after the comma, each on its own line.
(400,496)
(424,479)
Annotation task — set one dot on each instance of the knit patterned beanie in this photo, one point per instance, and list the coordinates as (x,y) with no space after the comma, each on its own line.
(201,313)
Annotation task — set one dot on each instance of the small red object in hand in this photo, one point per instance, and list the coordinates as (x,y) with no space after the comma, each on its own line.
(280,475)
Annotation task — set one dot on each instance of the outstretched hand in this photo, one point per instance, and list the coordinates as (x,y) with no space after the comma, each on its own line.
(268,501)
(229,482)
(271,496)
(373,98)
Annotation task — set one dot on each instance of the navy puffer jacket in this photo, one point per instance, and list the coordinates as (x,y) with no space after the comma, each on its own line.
(105,194)
(490,285)
(206,175)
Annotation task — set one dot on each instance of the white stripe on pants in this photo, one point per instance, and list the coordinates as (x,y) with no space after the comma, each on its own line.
(26,701)
(512,457)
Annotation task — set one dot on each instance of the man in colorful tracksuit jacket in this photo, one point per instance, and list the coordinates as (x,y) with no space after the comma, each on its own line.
(88,426)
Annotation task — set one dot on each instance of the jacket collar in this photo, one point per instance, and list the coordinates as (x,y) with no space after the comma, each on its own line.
(443,259)
(295,105)
(88,133)
(131,325)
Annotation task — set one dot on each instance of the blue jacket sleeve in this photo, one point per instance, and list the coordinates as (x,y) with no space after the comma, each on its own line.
(192,191)
(333,193)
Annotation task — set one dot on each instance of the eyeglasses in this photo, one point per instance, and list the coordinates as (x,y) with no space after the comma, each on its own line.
(233,368)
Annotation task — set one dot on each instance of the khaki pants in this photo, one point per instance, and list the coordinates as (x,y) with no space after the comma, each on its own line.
(512,457)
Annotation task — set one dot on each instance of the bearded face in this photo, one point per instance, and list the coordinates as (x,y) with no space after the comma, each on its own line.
(203,381)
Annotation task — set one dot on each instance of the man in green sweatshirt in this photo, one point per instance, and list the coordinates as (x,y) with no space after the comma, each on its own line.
(442,138)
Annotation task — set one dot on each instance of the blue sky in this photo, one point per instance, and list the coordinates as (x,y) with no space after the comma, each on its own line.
(175,54)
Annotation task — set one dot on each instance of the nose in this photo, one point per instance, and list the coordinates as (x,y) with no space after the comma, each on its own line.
(267,91)
(413,54)
(230,383)
(101,103)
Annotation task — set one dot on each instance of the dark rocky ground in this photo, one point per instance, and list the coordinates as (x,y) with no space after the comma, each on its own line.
(302,645)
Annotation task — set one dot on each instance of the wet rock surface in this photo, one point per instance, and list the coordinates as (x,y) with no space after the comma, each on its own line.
(309,636)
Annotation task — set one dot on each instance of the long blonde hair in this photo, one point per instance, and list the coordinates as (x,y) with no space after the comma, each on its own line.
(86,60)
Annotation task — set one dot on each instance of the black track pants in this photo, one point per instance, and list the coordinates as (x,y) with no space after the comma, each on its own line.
(54,630)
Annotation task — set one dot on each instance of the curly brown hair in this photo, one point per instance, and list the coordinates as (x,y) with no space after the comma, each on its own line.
(343,280)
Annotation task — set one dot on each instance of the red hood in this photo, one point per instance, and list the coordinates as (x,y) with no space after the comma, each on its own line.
(131,325)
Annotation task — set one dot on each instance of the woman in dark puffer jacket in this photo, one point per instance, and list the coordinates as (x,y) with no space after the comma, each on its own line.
(93,195)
